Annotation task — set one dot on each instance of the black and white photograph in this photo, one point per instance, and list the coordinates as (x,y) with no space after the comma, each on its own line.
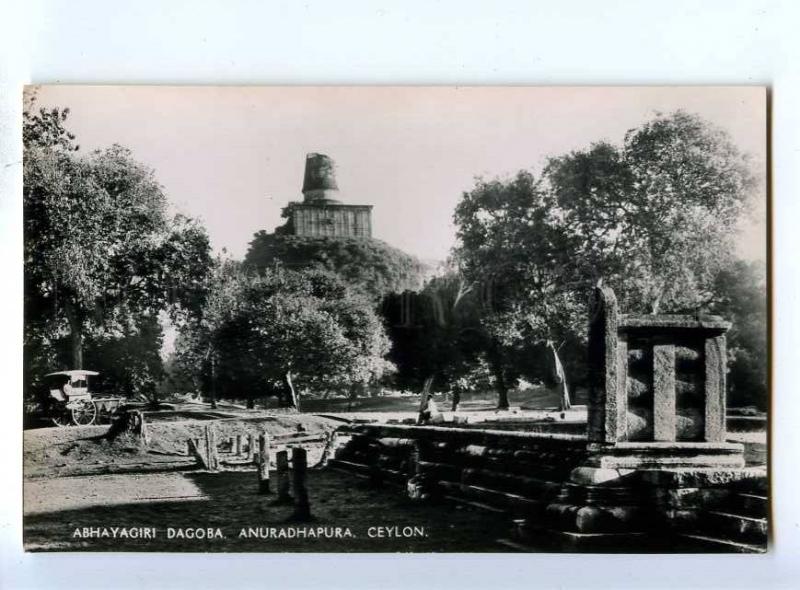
(381,319)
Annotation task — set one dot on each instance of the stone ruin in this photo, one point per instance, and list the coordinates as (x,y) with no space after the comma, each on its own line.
(658,462)
(657,389)
(653,473)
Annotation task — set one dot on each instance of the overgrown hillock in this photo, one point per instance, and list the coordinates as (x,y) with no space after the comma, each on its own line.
(371,264)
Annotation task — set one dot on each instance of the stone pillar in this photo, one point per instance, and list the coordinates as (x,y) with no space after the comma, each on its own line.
(302,506)
(664,415)
(715,388)
(263,463)
(656,413)
(211,448)
(607,402)
(282,476)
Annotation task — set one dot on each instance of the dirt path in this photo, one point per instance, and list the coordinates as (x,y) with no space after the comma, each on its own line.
(77,493)
(85,513)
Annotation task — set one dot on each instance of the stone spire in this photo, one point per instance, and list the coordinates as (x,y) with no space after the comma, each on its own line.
(319,181)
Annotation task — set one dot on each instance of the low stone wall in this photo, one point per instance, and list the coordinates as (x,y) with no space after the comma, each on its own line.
(533,479)
(518,472)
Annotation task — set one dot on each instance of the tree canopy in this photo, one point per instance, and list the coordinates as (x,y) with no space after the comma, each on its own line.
(435,333)
(101,251)
(741,299)
(655,218)
(270,333)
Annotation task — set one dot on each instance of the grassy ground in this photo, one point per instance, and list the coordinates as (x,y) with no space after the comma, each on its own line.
(535,398)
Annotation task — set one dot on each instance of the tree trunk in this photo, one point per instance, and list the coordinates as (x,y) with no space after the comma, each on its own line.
(502,391)
(423,401)
(561,378)
(213,381)
(76,336)
(496,366)
(251,403)
(290,392)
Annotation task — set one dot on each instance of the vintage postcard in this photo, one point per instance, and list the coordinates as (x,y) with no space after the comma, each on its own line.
(395,319)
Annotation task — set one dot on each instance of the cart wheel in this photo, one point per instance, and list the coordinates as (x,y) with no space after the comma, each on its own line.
(85,413)
(61,418)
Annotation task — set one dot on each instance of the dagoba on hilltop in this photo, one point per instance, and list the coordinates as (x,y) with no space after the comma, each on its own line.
(321,213)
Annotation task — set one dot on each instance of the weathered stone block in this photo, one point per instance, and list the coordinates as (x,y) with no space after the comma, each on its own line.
(690,424)
(599,476)
(605,519)
(685,354)
(639,424)
(637,388)
(690,389)
(604,363)
(705,477)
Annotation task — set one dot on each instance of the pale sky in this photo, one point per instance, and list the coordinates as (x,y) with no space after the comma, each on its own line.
(234,156)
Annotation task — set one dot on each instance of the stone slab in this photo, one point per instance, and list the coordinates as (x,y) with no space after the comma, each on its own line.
(598,476)
(714,324)
(700,477)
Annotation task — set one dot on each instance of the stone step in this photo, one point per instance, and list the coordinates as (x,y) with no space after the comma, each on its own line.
(734,527)
(755,505)
(708,544)
(352,466)
(503,500)
(752,485)
(535,537)
(474,504)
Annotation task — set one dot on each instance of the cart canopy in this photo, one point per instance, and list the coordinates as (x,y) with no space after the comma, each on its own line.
(73,375)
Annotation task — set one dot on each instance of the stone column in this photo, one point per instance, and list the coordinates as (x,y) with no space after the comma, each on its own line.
(664,415)
(607,400)
(715,368)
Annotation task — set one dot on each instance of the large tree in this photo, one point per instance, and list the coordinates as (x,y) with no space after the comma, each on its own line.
(100,248)
(655,218)
(281,331)
(511,250)
(436,335)
(741,298)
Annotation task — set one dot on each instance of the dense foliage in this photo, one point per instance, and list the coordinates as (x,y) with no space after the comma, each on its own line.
(102,257)
(654,218)
(282,331)
(369,264)
(742,300)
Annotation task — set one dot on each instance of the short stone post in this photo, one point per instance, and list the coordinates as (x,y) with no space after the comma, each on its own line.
(263,463)
(415,485)
(302,507)
(211,448)
(238,447)
(193,446)
(282,477)
(250,446)
(137,425)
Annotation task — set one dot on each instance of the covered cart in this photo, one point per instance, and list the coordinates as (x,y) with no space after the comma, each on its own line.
(71,402)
